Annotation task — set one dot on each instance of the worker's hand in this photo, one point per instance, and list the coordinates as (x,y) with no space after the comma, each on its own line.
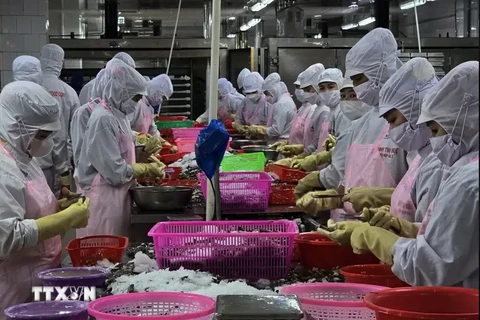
(312,205)
(285,162)
(173,149)
(68,198)
(232,118)
(311,162)
(142,138)
(153,145)
(308,184)
(277,145)
(329,143)
(291,150)
(340,232)
(66,180)
(240,127)
(164,142)
(368,197)
(78,213)
(378,241)
(149,170)
(257,131)
(383,218)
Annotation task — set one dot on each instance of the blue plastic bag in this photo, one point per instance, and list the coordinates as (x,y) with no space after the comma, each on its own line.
(210,147)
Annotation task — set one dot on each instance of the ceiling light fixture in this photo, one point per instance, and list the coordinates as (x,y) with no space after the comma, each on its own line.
(232,18)
(260,5)
(410,4)
(366,21)
(353,6)
(250,24)
(317,36)
(349,26)
(231,35)
(317,16)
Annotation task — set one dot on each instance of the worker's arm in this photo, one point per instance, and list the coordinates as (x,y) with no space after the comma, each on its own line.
(279,121)
(78,128)
(319,116)
(333,175)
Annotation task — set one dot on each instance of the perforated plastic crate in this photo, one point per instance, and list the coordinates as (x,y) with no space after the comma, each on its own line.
(244,162)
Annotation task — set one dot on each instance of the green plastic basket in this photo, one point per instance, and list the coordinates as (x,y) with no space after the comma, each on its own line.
(244,162)
(174,124)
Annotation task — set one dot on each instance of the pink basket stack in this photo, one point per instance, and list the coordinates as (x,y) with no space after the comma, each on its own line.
(333,301)
(230,249)
(186,132)
(248,191)
(186,144)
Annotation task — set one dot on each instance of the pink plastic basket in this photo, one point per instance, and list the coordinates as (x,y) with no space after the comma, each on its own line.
(186,132)
(186,144)
(231,249)
(334,301)
(241,190)
(153,305)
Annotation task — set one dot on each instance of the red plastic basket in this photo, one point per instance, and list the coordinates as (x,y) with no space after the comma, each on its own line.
(376,274)
(165,150)
(426,303)
(241,190)
(87,251)
(282,194)
(285,173)
(171,158)
(166,132)
(183,183)
(170,118)
(318,251)
(231,249)
(173,175)
(171,141)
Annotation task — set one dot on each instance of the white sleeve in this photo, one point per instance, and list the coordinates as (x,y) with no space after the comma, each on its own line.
(239,115)
(280,118)
(333,175)
(203,117)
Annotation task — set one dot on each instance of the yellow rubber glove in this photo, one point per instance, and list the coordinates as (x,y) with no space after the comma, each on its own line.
(149,170)
(239,127)
(311,162)
(68,198)
(153,145)
(257,131)
(164,142)
(302,155)
(368,197)
(66,180)
(329,143)
(232,117)
(74,217)
(285,162)
(383,218)
(312,205)
(378,241)
(308,184)
(291,150)
(142,138)
(340,231)
(277,145)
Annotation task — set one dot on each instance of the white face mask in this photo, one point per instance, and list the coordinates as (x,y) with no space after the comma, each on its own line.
(446,149)
(368,92)
(311,97)
(128,106)
(330,98)
(254,97)
(40,148)
(410,139)
(300,94)
(354,109)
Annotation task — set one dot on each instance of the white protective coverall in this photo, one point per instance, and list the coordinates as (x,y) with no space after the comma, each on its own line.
(254,109)
(26,68)
(241,77)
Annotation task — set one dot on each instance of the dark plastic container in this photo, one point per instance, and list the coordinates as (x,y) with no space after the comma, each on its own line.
(49,310)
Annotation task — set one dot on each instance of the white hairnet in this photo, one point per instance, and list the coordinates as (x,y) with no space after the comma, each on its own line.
(274,84)
(158,87)
(253,83)
(271,80)
(122,83)
(26,108)
(51,59)
(26,68)
(297,82)
(125,57)
(98,85)
(406,89)
(224,87)
(311,76)
(332,75)
(241,77)
(347,83)
(376,48)
(453,104)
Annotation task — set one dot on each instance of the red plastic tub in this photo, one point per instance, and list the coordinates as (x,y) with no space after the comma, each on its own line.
(165,150)
(285,173)
(376,274)
(171,118)
(282,194)
(86,251)
(171,158)
(182,183)
(426,303)
(318,251)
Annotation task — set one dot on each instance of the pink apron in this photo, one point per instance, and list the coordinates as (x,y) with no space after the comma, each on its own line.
(110,206)
(297,133)
(18,273)
(402,204)
(324,130)
(429,213)
(253,119)
(308,132)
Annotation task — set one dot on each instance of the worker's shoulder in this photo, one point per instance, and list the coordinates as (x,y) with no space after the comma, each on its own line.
(102,118)
(464,177)
(10,173)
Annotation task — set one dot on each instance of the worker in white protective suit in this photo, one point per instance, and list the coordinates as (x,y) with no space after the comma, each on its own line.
(31,218)
(85,95)
(351,107)
(241,78)
(280,113)
(445,251)
(26,68)
(106,166)
(369,157)
(254,109)
(229,101)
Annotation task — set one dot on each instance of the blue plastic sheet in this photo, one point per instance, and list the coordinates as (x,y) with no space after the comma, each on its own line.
(210,147)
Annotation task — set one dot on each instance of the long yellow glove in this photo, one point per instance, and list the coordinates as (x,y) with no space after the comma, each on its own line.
(142,138)
(153,145)
(74,217)
(311,162)
(378,241)
(302,155)
(312,205)
(329,143)
(285,162)
(149,170)
(368,197)
(340,231)
(257,131)
(277,145)
(308,184)
(240,127)
(232,117)
(291,150)
(383,218)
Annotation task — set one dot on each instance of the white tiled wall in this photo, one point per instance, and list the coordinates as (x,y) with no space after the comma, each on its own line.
(23,30)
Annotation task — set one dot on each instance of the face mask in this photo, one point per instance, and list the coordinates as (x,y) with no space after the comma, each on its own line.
(330,98)
(40,148)
(354,109)
(254,97)
(311,97)
(410,139)
(128,107)
(368,92)
(445,149)
(270,100)
(300,94)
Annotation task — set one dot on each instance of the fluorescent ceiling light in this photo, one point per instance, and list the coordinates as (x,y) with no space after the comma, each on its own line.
(317,16)
(250,24)
(366,21)
(410,4)
(121,20)
(231,35)
(317,36)
(260,5)
(349,26)
(232,18)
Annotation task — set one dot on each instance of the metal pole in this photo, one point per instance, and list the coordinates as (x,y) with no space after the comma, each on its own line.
(417,25)
(174,34)
(213,98)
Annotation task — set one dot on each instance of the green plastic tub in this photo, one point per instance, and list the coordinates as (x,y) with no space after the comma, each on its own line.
(244,162)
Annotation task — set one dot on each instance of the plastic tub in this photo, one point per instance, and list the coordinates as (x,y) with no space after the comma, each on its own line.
(231,249)
(88,250)
(170,118)
(186,132)
(186,144)
(376,274)
(153,305)
(333,301)
(254,162)
(286,174)
(426,303)
(49,310)
(165,150)
(183,182)
(318,251)
(171,158)
(74,276)
(282,194)
(174,124)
